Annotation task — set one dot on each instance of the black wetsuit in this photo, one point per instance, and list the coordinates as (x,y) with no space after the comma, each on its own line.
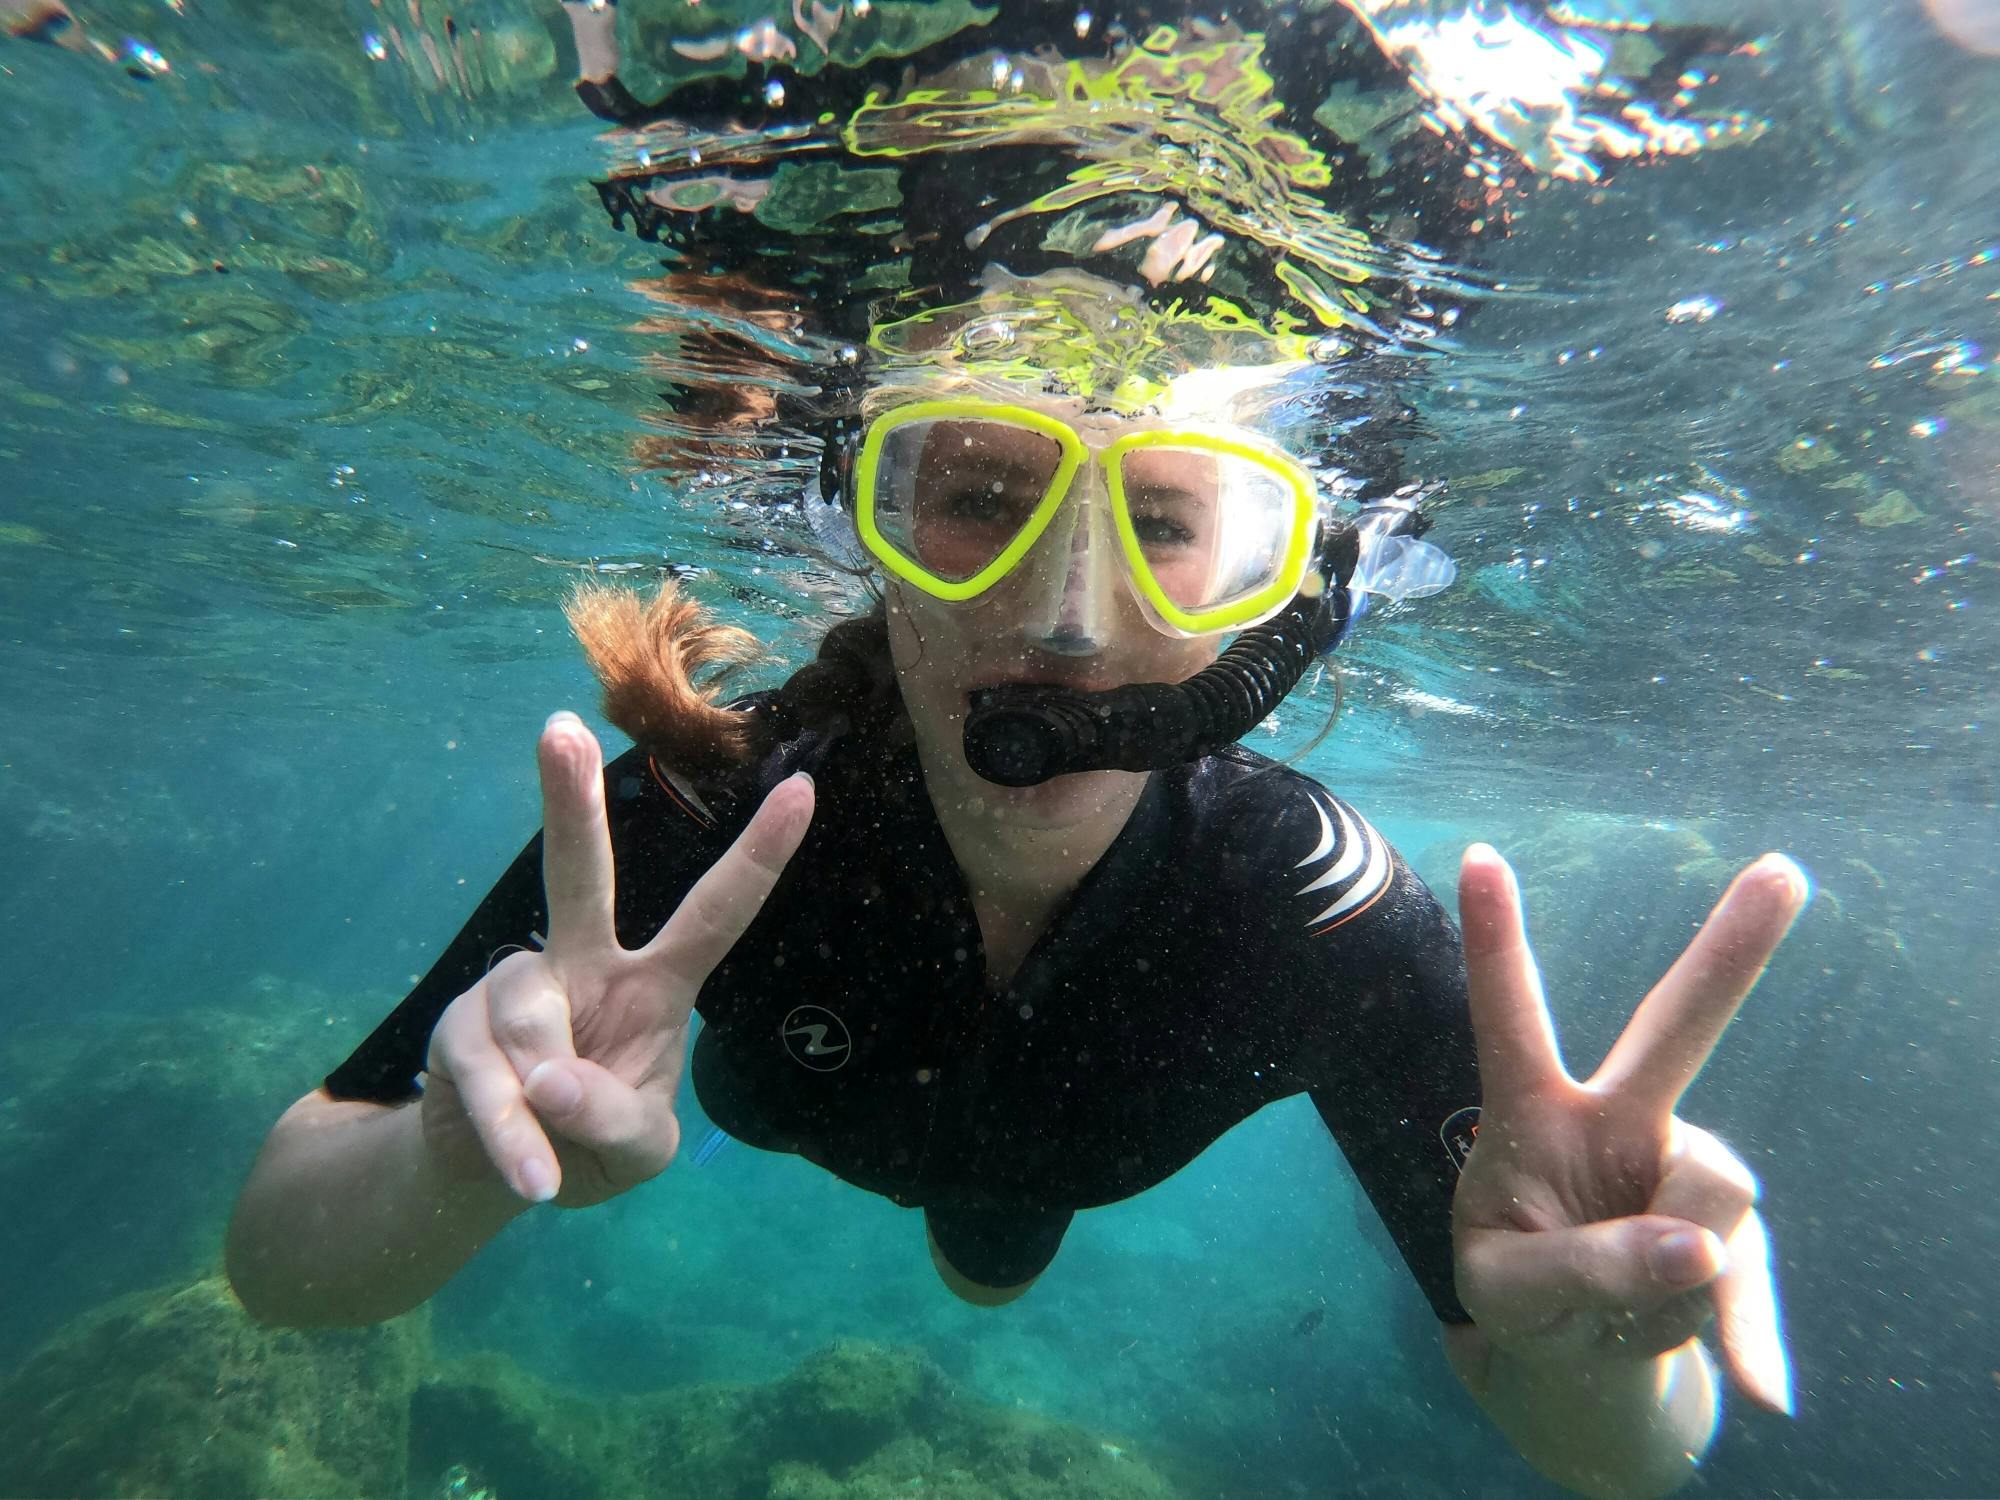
(1246,937)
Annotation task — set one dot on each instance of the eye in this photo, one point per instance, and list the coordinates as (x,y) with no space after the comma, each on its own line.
(1164,516)
(987,498)
(1161,531)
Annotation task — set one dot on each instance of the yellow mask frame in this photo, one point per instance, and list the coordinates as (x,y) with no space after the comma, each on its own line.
(1075,451)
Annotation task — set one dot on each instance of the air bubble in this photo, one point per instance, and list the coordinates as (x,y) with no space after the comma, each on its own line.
(993,333)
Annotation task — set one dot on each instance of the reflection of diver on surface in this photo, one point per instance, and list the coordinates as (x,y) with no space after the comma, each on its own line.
(1103,360)
(55,23)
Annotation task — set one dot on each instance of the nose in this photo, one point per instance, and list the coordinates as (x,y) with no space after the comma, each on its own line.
(1073,629)
(1073,585)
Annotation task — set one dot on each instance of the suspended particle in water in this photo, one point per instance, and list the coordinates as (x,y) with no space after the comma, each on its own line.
(1693,310)
(1084,21)
(143,61)
(374,46)
(774,93)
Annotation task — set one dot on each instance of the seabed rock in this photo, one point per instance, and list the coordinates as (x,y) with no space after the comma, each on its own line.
(179,1393)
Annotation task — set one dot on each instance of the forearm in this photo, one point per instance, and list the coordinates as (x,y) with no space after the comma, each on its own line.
(351,1215)
(1610,1430)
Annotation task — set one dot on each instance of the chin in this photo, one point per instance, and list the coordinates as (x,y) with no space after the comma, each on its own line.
(1059,802)
(1056,803)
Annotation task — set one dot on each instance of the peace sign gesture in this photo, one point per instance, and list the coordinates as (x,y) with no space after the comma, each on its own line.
(1591,1224)
(565,1063)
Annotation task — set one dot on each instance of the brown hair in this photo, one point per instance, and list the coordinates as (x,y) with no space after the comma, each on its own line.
(718,365)
(649,653)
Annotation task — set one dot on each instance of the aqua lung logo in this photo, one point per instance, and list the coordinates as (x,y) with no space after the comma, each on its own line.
(816,1038)
(1458,1133)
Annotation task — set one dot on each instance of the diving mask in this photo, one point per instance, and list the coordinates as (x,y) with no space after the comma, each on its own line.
(1214,528)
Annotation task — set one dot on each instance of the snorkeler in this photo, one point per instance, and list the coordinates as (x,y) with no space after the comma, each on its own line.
(983,909)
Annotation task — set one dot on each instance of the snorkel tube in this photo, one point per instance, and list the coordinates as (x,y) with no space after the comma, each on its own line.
(1022,734)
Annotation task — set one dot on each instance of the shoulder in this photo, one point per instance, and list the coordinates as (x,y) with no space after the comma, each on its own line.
(1310,860)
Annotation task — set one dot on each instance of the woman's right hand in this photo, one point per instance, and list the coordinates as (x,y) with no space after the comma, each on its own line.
(560,1067)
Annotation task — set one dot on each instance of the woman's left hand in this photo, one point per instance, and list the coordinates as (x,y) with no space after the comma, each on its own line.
(1590,1223)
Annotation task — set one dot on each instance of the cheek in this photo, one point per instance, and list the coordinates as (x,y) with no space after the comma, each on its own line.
(938,643)
(929,643)
(936,638)
(1180,660)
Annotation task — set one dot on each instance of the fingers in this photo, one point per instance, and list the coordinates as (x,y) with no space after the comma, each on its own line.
(632,1133)
(1703,1182)
(576,838)
(1746,1300)
(527,1012)
(1616,1272)
(510,1096)
(1677,1026)
(725,901)
(1650,1281)
(463,1050)
(1708,1184)
(1518,1055)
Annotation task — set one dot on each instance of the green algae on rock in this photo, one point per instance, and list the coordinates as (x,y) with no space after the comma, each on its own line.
(855,1421)
(179,1393)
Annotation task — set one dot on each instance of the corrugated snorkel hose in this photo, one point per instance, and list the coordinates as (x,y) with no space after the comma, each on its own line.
(1021,734)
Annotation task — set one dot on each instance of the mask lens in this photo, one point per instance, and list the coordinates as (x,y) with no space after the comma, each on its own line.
(1213,526)
(952,493)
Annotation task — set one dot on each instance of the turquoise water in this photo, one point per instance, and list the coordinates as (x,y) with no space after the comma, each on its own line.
(317,386)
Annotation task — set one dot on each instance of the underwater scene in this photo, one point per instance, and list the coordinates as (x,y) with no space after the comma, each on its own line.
(1590,415)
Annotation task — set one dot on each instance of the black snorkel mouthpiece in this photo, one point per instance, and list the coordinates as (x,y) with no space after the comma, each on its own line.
(1022,734)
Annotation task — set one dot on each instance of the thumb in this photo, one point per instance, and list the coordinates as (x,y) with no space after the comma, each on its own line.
(1631,1265)
(592,1107)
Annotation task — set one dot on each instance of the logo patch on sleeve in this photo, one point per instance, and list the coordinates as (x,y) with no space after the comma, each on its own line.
(1459,1132)
(816,1038)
